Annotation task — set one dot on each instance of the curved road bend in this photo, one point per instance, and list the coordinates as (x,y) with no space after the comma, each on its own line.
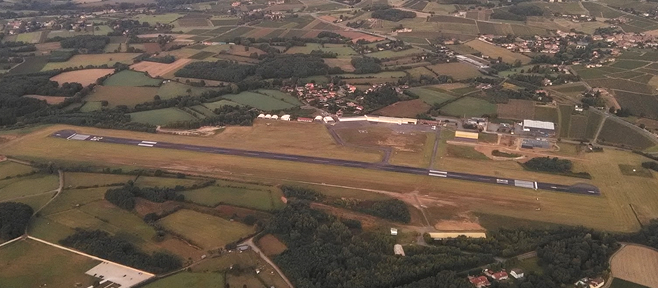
(586,189)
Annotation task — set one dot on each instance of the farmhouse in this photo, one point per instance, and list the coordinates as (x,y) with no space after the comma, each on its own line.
(449,235)
(539,128)
(499,276)
(479,282)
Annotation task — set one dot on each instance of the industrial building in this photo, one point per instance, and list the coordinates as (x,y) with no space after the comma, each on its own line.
(539,128)
(466,136)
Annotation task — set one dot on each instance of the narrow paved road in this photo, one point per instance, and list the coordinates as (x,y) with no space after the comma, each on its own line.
(253,246)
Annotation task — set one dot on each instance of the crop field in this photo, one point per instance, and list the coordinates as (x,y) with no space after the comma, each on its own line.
(91,106)
(409,108)
(260,101)
(84,77)
(81,179)
(201,55)
(469,107)
(189,279)
(639,104)
(161,116)
(27,186)
(458,70)
(565,119)
(597,10)
(219,104)
(28,263)
(237,194)
(343,63)
(568,7)
(626,74)
(570,89)
(545,113)
(495,52)
(30,65)
(615,133)
(225,21)
(593,123)
(193,22)
(92,59)
(340,49)
(621,84)
(11,169)
(271,246)
(491,199)
(102,30)
(122,95)
(431,96)
(160,18)
(577,127)
(644,79)
(238,32)
(636,264)
(517,109)
(30,37)
(128,78)
(205,230)
(160,69)
(594,73)
(629,64)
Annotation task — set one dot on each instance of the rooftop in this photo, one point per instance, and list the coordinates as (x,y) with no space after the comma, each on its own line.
(538,124)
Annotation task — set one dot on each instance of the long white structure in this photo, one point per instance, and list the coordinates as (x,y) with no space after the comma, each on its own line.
(380,119)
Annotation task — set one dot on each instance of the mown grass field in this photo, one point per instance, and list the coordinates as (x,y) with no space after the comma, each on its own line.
(161,116)
(74,198)
(81,179)
(11,169)
(205,230)
(431,96)
(132,79)
(175,89)
(458,70)
(237,194)
(260,101)
(121,95)
(409,108)
(92,59)
(28,263)
(27,186)
(469,107)
(561,208)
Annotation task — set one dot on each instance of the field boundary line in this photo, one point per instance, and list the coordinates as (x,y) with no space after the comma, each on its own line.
(88,255)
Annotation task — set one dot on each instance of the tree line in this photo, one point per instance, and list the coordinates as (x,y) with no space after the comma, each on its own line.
(393,14)
(92,44)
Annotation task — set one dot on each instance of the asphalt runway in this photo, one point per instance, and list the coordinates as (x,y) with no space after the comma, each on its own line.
(578,188)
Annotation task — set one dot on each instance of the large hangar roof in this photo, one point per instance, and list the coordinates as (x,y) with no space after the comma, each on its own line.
(538,124)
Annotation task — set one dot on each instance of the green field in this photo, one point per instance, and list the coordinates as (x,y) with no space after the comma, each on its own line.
(219,104)
(98,30)
(593,123)
(28,263)
(174,89)
(81,179)
(27,186)
(632,170)
(188,279)
(629,64)
(243,195)
(469,107)
(31,37)
(11,169)
(91,106)
(132,79)
(390,54)
(565,119)
(120,95)
(161,116)
(205,230)
(92,59)
(36,201)
(340,49)
(74,199)
(466,152)
(259,101)
(285,97)
(159,18)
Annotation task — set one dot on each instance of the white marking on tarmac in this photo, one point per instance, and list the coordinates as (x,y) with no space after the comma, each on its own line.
(149,142)
(144,145)
(439,175)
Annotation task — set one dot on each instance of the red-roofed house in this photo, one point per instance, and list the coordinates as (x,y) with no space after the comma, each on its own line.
(302,119)
(479,282)
(498,276)
(596,283)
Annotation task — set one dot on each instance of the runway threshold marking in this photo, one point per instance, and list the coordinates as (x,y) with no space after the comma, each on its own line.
(145,145)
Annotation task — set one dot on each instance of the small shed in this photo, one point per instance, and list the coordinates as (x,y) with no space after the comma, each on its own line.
(285,117)
(268,116)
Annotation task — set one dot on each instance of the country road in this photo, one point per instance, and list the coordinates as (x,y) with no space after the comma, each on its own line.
(254,247)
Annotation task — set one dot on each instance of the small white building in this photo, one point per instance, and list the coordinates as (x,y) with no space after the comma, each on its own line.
(318,118)
(516,273)
(275,117)
(261,115)
(328,119)
(394,231)
(268,116)
(285,117)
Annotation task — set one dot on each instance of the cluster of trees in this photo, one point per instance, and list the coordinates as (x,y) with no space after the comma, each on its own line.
(14,218)
(124,197)
(324,54)
(363,65)
(324,252)
(86,43)
(9,51)
(393,14)
(548,164)
(167,59)
(103,245)
(302,193)
(226,115)
(392,209)
(593,100)
(648,235)
(382,97)
(517,12)
(275,66)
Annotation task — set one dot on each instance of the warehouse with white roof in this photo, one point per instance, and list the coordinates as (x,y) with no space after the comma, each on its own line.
(539,128)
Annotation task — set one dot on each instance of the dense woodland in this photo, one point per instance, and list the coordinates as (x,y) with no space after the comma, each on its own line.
(85,43)
(549,164)
(14,218)
(383,97)
(124,197)
(226,115)
(113,248)
(363,65)
(393,14)
(323,252)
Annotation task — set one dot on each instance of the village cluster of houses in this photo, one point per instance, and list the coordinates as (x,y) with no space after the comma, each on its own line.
(325,95)
(489,275)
